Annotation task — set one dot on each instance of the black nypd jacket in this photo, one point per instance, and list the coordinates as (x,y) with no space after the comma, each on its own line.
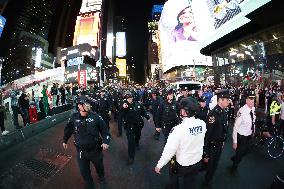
(89,132)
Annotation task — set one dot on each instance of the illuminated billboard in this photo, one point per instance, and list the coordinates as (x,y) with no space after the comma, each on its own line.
(87,30)
(186,26)
(179,36)
(91,6)
(120,44)
(2,24)
(121,66)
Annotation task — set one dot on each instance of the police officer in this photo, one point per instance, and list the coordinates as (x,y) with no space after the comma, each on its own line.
(204,110)
(88,128)
(244,129)
(274,112)
(217,129)
(154,104)
(132,113)
(167,115)
(184,94)
(104,106)
(186,142)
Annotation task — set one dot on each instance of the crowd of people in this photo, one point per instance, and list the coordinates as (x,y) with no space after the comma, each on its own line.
(194,122)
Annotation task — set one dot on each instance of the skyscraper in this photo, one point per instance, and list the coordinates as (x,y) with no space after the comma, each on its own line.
(27,29)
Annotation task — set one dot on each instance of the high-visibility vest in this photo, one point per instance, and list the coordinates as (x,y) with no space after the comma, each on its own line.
(275,108)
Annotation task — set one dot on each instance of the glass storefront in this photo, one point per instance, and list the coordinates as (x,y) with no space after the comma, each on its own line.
(258,58)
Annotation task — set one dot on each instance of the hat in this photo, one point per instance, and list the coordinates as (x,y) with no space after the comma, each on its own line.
(188,104)
(83,100)
(223,93)
(128,94)
(184,88)
(250,94)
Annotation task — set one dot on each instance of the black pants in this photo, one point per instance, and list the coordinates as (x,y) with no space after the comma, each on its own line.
(244,145)
(133,133)
(106,118)
(166,131)
(215,151)
(84,160)
(119,123)
(189,174)
(2,121)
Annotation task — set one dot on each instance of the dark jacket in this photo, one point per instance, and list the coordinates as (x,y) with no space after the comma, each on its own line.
(89,132)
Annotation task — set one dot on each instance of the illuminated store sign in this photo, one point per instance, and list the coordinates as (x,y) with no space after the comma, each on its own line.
(91,6)
(2,24)
(120,44)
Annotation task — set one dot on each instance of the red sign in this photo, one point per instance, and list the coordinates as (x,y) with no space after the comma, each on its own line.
(82,78)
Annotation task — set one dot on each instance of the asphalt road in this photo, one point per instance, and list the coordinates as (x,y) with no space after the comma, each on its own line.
(255,172)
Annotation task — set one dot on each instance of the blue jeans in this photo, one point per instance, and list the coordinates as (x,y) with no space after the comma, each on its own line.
(25,115)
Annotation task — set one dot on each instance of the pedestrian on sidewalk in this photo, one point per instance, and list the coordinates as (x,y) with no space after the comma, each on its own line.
(13,93)
(91,137)
(2,114)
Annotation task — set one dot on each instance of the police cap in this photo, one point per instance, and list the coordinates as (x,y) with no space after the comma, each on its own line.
(184,88)
(223,93)
(128,94)
(189,105)
(83,100)
(250,94)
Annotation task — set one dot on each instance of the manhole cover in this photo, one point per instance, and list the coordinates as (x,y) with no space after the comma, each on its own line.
(34,173)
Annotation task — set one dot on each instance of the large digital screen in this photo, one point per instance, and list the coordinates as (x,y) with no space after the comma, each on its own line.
(179,36)
(91,6)
(2,24)
(217,18)
(87,30)
(186,26)
(120,44)
(121,66)
(75,61)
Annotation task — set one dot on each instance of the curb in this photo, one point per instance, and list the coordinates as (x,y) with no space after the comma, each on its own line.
(25,133)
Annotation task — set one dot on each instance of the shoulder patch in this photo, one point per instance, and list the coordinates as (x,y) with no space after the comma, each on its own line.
(211,119)
(239,114)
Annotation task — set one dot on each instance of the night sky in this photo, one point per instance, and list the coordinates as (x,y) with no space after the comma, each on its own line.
(137,14)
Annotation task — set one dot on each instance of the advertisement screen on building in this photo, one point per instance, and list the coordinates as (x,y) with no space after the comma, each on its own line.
(75,61)
(87,30)
(120,44)
(121,66)
(2,24)
(179,36)
(216,18)
(91,6)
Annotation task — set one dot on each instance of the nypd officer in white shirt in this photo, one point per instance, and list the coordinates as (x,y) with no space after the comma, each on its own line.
(186,142)
(244,129)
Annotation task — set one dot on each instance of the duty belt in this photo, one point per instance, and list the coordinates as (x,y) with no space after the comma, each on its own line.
(169,124)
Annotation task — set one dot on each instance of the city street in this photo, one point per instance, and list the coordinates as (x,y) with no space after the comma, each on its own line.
(256,171)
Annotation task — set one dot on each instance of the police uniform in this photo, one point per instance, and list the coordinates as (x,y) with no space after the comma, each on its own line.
(167,117)
(154,104)
(202,114)
(132,116)
(217,129)
(104,106)
(243,131)
(89,134)
(186,142)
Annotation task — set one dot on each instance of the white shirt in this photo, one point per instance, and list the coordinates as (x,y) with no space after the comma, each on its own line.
(213,102)
(243,122)
(186,141)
